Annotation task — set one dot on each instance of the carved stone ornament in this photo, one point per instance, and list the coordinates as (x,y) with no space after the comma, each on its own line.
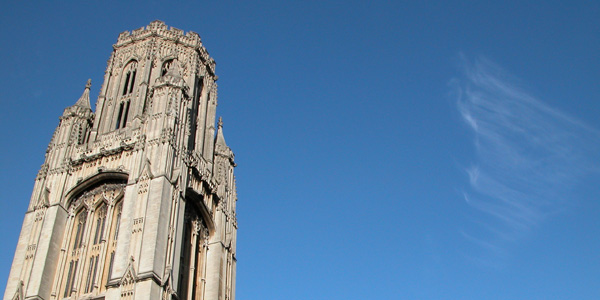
(145,172)
(130,276)
(112,193)
(102,212)
(43,200)
(168,291)
(108,192)
(197,227)
(205,238)
(19,293)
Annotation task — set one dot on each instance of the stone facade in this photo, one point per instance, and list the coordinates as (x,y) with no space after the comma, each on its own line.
(136,200)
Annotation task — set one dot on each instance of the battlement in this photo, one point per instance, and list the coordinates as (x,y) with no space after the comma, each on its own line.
(160,29)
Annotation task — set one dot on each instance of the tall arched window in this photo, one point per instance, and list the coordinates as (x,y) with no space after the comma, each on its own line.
(94,223)
(75,248)
(129,77)
(128,83)
(193,255)
(111,244)
(123,113)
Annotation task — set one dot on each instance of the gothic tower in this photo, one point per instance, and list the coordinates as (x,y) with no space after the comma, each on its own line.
(137,199)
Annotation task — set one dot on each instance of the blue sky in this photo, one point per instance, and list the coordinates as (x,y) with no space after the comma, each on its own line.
(385,150)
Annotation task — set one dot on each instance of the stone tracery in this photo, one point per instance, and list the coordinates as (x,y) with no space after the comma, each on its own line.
(92,240)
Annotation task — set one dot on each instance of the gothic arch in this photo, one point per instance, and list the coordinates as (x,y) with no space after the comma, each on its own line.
(129,60)
(197,202)
(131,64)
(193,253)
(162,59)
(91,233)
(93,180)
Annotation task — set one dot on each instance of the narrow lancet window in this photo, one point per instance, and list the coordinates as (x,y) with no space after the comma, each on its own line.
(97,233)
(102,229)
(126,85)
(123,114)
(69,275)
(80,229)
(110,265)
(118,222)
(71,278)
(100,222)
(126,114)
(89,276)
(119,116)
(132,82)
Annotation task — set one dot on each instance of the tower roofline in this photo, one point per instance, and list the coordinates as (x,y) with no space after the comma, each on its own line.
(160,29)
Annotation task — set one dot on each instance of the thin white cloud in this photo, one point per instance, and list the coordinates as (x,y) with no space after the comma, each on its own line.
(528,156)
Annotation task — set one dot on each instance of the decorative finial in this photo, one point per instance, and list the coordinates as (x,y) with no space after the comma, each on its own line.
(220,144)
(84,100)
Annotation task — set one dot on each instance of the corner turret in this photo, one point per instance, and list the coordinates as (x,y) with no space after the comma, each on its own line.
(82,107)
(73,129)
(84,100)
(221,148)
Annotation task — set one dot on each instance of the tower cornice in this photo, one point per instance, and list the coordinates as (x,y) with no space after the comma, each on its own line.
(160,30)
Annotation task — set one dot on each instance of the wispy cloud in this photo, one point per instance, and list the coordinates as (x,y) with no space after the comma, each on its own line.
(528,156)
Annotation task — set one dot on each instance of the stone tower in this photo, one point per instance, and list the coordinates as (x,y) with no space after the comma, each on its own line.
(136,200)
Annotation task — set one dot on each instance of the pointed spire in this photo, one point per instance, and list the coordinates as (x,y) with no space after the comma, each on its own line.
(84,100)
(220,140)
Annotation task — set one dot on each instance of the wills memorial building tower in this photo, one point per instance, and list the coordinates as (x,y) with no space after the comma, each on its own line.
(137,199)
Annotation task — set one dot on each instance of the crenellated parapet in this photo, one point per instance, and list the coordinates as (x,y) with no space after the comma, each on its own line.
(177,36)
